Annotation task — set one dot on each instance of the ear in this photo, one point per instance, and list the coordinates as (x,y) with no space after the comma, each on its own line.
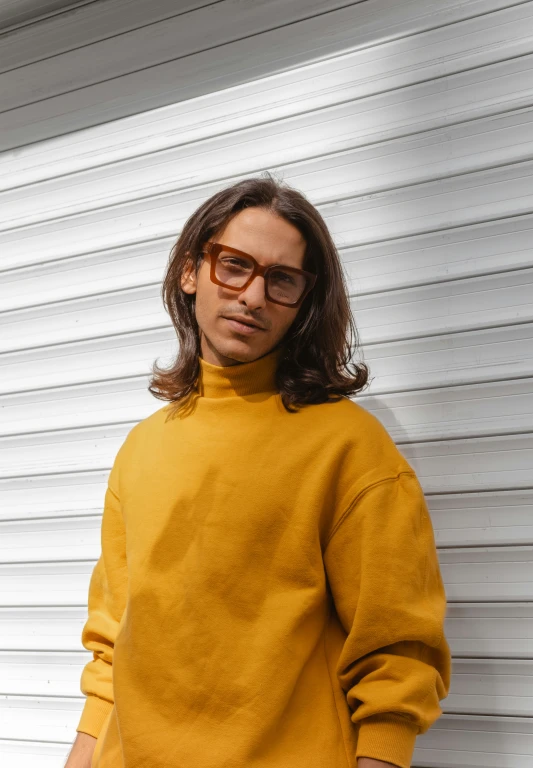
(188,277)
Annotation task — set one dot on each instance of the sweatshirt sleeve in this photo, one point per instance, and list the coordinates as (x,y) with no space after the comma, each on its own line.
(383,572)
(106,602)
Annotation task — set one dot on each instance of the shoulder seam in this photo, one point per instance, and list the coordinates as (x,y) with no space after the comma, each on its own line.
(352,504)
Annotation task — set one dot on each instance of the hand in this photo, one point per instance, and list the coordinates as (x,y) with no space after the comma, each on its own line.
(81,754)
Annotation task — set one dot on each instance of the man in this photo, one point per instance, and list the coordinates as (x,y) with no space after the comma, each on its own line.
(268,592)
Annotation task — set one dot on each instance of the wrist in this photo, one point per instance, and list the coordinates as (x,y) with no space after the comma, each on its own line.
(371,762)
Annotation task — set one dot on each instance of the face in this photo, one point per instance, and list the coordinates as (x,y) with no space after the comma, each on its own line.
(270,239)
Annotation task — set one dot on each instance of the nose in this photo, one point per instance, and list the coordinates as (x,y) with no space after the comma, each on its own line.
(254,295)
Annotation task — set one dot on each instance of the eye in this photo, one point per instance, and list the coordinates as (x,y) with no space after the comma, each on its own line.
(232,262)
(281,276)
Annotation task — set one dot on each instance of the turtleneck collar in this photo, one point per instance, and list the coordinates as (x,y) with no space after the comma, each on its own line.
(239,380)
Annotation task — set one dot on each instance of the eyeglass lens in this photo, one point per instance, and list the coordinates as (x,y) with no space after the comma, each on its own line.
(283,285)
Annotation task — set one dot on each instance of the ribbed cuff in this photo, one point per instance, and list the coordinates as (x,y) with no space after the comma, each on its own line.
(387,737)
(93,715)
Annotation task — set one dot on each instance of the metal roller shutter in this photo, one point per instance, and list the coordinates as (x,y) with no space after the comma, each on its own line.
(409,125)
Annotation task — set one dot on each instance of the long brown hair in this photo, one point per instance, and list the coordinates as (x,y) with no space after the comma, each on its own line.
(314,368)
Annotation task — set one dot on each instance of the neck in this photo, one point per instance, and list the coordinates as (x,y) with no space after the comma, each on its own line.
(215,381)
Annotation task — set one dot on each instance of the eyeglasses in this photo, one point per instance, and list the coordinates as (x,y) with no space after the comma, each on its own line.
(236,269)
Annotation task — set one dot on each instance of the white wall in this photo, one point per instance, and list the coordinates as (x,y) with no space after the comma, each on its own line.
(409,125)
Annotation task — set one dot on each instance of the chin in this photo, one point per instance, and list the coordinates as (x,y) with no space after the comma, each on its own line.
(236,350)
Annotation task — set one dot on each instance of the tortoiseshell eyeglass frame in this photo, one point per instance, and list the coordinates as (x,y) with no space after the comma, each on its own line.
(213,250)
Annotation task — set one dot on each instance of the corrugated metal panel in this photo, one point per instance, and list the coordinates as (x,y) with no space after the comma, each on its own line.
(409,125)
(16,13)
(117,66)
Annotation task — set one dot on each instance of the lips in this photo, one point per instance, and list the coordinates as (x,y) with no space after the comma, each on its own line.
(245,322)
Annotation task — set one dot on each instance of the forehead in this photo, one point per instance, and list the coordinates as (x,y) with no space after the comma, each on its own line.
(269,238)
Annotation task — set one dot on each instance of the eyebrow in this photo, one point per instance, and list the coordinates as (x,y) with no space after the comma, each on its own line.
(276,264)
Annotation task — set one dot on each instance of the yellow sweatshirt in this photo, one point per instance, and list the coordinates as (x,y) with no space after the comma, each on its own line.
(268,593)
